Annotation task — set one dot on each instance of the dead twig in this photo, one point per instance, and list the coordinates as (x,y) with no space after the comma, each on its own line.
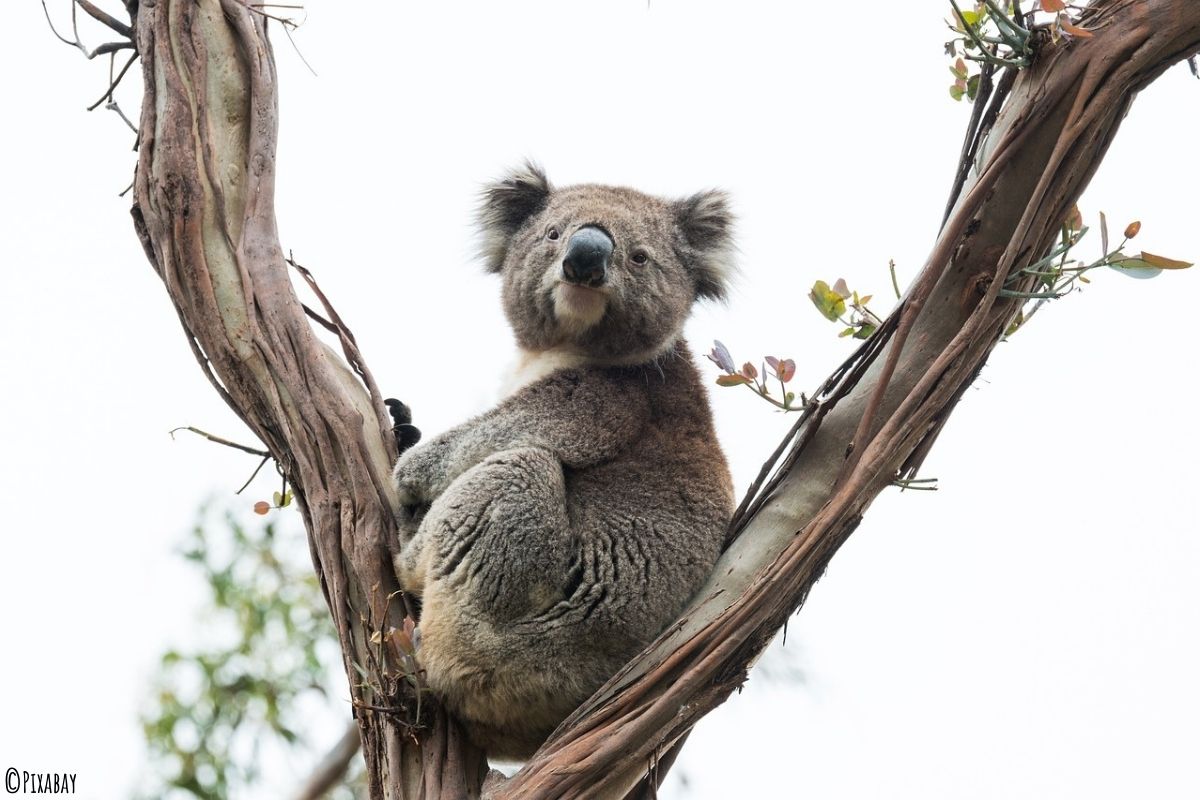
(112,86)
(335,325)
(254,474)
(244,448)
(100,16)
(218,440)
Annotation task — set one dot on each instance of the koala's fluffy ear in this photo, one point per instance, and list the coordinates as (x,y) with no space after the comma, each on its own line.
(706,224)
(506,205)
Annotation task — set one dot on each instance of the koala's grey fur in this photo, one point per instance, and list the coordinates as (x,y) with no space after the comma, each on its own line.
(568,525)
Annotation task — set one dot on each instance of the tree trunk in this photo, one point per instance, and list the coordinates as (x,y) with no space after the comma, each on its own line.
(204,209)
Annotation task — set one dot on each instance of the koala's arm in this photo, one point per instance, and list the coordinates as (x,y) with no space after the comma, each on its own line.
(583,417)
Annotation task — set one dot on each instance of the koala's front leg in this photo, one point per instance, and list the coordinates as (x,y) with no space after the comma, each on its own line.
(580,417)
(423,472)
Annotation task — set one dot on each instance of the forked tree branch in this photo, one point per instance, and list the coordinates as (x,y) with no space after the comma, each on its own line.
(204,210)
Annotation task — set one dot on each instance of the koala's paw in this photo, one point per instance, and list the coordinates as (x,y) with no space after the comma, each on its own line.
(420,475)
(413,492)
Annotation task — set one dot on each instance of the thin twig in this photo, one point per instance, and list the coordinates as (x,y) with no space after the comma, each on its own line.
(54,30)
(257,8)
(966,156)
(254,474)
(349,347)
(104,18)
(111,22)
(317,318)
(112,86)
(296,47)
(218,440)
(114,107)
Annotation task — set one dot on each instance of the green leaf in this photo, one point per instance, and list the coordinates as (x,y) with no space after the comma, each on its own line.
(828,302)
(957,91)
(864,331)
(1134,268)
(846,332)
(277,499)
(1103,233)
(972,87)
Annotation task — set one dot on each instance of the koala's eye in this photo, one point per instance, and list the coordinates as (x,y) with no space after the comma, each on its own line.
(640,257)
(552,234)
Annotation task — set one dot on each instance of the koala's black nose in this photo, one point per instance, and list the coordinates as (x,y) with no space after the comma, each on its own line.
(588,254)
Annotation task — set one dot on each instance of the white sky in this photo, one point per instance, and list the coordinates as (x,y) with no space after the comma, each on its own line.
(1027,631)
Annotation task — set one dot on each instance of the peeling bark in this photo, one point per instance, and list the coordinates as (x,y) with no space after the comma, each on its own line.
(204,209)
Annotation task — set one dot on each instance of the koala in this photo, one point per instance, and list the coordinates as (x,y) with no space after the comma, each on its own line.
(554,536)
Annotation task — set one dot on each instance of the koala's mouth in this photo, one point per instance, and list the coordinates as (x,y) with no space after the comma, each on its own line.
(579,306)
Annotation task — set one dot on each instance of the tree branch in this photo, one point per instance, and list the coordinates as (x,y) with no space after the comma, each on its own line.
(204,210)
(332,768)
(1032,165)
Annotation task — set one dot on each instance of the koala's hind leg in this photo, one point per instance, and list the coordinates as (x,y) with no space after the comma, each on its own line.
(498,538)
(495,549)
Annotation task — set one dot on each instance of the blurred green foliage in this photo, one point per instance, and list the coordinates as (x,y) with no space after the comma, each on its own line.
(262,655)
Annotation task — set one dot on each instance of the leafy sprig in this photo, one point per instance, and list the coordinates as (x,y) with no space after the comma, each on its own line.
(835,301)
(781,369)
(1057,274)
(1001,34)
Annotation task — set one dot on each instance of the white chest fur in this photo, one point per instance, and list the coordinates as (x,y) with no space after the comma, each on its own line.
(530,366)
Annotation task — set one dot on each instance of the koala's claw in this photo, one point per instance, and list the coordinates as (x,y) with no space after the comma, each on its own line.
(401,413)
(405,432)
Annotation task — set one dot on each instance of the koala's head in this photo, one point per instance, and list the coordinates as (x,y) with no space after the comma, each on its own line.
(603,271)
